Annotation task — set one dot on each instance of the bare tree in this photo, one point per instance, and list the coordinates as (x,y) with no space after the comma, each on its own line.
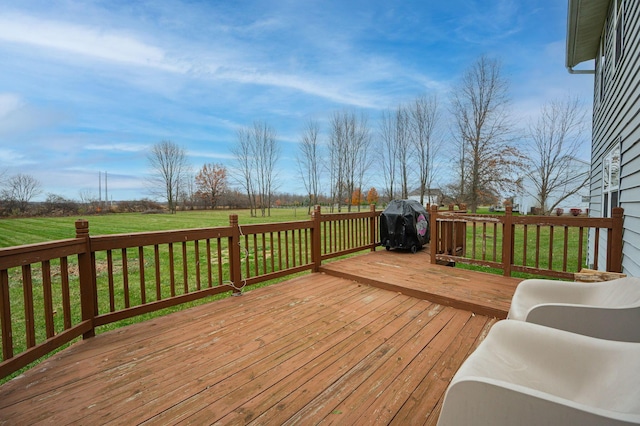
(188,192)
(87,197)
(337,159)
(243,151)
(479,105)
(402,136)
(257,153)
(20,189)
(388,152)
(361,153)
(309,160)
(55,204)
(555,138)
(349,140)
(395,137)
(169,168)
(266,158)
(88,200)
(424,121)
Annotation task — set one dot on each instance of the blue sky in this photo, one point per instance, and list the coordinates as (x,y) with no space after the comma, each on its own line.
(89,86)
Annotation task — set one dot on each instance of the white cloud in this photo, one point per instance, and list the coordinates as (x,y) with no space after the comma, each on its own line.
(9,103)
(224,59)
(18,116)
(98,43)
(11,156)
(121,147)
(119,47)
(210,154)
(308,85)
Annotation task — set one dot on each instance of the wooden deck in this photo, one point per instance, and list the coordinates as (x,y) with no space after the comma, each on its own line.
(315,349)
(414,275)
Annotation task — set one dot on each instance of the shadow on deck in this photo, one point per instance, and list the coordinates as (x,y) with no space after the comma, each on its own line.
(335,347)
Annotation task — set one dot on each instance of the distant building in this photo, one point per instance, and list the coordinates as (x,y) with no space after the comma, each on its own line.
(608,31)
(431,196)
(527,201)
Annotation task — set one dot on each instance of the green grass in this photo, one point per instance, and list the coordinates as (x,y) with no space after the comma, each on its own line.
(484,243)
(14,232)
(35,230)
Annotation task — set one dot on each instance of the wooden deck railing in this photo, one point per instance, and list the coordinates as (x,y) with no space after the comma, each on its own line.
(541,245)
(52,293)
(55,292)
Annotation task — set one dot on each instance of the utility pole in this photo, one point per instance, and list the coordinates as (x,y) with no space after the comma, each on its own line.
(106,190)
(100,189)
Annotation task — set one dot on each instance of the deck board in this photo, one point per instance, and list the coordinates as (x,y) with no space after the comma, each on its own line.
(414,275)
(320,348)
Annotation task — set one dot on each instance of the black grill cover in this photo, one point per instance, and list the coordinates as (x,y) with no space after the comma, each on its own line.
(404,224)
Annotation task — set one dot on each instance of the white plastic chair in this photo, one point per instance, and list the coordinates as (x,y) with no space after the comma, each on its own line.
(608,310)
(527,374)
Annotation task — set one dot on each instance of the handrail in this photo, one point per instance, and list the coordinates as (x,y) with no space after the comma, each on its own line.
(90,281)
(540,245)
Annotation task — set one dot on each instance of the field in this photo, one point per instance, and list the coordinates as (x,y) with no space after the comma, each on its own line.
(34,230)
(553,252)
(15,232)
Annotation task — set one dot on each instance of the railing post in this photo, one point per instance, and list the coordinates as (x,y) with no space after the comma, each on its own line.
(316,239)
(460,237)
(5,318)
(235,271)
(433,231)
(372,227)
(447,234)
(87,278)
(614,243)
(507,241)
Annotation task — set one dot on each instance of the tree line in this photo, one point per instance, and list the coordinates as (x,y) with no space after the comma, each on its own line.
(482,158)
(484,155)
(470,147)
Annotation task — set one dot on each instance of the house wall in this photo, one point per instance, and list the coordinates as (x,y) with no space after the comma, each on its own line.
(617,120)
(433,198)
(525,200)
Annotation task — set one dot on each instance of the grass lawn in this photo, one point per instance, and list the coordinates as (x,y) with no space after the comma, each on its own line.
(14,232)
(544,251)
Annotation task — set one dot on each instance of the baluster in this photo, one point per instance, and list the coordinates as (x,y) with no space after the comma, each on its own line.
(172,271)
(66,299)
(5,316)
(209,272)
(156,261)
(196,254)
(566,247)
(125,278)
(112,301)
(27,291)
(143,290)
(48,299)
(185,268)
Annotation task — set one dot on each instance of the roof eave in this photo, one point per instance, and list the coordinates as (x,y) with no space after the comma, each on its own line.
(585,21)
